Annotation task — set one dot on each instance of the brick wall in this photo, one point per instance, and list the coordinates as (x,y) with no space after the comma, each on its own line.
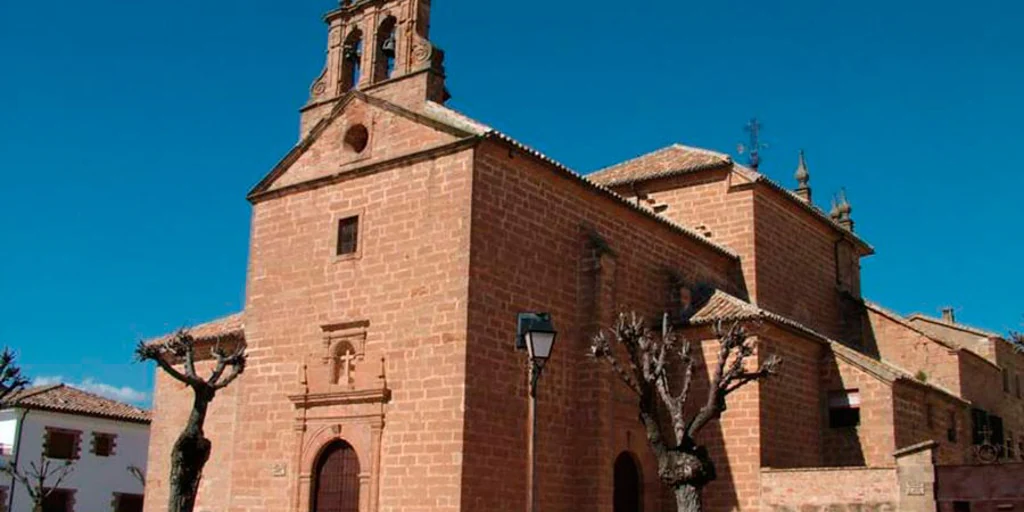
(791,403)
(172,403)
(705,199)
(873,442)
(796,265)
(531,251)
(910,349)
(788,256)
(829,489)
(914,404)
(987,488)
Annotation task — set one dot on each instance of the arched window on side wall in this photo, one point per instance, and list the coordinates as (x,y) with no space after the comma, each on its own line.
(352,57)
(336,480)
(627,484)
(387,49)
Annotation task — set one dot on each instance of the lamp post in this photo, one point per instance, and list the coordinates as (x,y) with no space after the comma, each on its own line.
(536,334)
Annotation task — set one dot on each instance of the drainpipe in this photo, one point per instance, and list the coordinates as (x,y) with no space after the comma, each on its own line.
(17,455)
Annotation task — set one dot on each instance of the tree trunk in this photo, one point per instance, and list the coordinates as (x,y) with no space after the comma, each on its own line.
(688,498)
(189,456)
(687,471)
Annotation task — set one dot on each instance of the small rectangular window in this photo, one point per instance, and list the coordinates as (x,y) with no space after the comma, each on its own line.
(929,416)
(128,502)
(61,444)
(844,409)
(59,500)
(1017,378)
(1006,380)
(961,506)
(348,236)
(103,444)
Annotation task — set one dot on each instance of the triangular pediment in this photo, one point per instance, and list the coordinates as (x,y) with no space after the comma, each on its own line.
(359,130)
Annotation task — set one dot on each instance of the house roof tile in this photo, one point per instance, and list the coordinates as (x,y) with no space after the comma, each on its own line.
(69,400)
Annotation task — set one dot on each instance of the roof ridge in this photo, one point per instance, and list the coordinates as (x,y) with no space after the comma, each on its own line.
(725,158)
(896,317)
(955,325)
(706,151)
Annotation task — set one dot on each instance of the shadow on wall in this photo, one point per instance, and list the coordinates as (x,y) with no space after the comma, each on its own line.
(842,409)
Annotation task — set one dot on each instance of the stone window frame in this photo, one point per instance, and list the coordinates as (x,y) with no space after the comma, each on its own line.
(76,448)
(113,444)
(361,229)
(115,502)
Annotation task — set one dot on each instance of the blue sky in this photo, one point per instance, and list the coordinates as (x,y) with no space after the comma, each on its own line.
(131,131)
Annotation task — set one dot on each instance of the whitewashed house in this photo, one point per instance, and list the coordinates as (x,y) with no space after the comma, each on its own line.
(101,438)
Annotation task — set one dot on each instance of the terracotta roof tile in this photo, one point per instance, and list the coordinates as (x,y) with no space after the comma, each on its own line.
(231,325)
(721,306)
(669,161)
(69,400)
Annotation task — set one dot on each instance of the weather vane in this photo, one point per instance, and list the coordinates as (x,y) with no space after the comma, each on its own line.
(754,147)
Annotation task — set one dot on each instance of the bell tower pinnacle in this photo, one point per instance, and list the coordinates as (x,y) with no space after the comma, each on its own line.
(379,47)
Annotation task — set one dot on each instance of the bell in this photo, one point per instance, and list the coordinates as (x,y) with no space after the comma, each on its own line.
(389,46)
(351,52)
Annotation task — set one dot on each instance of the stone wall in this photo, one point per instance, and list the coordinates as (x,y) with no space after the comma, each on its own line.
(829,489)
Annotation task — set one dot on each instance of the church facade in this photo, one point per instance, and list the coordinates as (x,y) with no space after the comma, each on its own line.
(393,247)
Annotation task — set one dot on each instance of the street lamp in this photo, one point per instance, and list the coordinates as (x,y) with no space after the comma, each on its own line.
(536,334)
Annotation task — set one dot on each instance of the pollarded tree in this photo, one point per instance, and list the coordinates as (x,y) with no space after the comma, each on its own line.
(660,370)
(192,449)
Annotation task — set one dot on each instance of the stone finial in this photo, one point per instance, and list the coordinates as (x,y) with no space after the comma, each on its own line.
(803,179)
(842,207)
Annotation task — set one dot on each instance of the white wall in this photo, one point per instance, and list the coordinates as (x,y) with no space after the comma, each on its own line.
(95,478)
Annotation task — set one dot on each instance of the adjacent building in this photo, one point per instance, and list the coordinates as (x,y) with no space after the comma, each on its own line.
(392,249)
(102,442)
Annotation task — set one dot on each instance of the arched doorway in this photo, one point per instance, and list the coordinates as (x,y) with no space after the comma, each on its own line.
(627,484)
(336,480)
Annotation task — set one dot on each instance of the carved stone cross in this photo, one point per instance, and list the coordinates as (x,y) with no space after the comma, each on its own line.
(346,360)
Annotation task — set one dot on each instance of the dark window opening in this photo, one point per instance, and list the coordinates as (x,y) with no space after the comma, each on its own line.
(103,445)
(929,415)
(59,500)
(387,49)
(129,503)
(61,444)
(961,506)
(357,138)
(844,409)
(348,236)
(352,60)
(979,427)
(1006,380)
(1017,379)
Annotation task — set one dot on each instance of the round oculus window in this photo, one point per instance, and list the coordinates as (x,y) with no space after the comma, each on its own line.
(356,138)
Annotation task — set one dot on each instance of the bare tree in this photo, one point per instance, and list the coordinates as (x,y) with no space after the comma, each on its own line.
(1017,340)
(192,449)
(40,479)
(11,379)
(660,370)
